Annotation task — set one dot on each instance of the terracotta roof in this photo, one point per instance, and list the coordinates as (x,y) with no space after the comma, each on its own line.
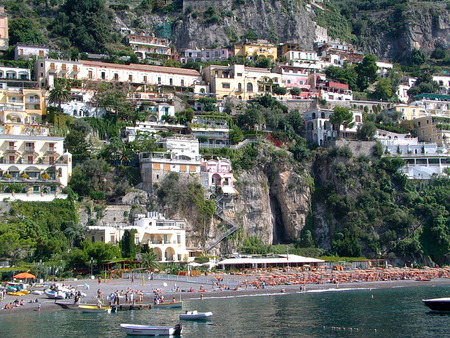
(337,85)
(142,68)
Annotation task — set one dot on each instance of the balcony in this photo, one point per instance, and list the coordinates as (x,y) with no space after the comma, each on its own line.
(64,69)
(29,149)
(75,69)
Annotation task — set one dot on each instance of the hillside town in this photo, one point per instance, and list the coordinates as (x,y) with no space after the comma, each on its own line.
(33,154)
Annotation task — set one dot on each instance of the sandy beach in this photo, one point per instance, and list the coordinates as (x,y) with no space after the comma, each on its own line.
(229,285)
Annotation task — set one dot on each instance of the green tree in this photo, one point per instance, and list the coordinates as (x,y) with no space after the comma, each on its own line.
(59,94)
(89,176)
(128,244)
(209,104)
(346,74)
(86,23)
(24,30)
(383,90)
(418,57)
(113,96)
(149,260)
(251,118)
(236,135)
(367,131)
(341,116)
(367,72)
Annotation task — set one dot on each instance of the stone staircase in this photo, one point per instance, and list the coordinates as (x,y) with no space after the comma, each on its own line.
(233,226)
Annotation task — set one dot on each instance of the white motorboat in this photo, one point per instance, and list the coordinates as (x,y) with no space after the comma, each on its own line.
(55,294)
(146,330)
(438,304)
(194,315)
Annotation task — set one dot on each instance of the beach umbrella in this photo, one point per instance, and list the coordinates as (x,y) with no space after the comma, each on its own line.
(24,275)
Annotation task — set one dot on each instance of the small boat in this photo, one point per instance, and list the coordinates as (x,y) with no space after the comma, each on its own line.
(438,304)
(194,315)
(94,309)
(169,305)
(19,293)
(146,330)
(69,306)
(55,294)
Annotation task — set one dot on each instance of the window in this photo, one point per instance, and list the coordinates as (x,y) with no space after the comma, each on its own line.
(159,80)
(30,159)
(103,75)
(145,78)
(239,74)
(90,75)
(51,147)
(226,85)
(171,82)
(51,160)
(182,83)
(116,77)
(130,77)
(249,87)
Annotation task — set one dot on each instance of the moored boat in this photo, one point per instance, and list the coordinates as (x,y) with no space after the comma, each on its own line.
(171,305)
(147,330)
(438,304)
(94,309)
(55,294)
(69,306)
(194,315)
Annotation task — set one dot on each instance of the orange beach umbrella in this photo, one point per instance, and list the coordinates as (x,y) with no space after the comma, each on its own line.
(24,275)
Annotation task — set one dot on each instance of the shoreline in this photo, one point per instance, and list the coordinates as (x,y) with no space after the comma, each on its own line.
(168,289)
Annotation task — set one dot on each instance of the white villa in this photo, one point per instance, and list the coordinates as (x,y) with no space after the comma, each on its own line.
(46,70)
(319,129)
(423,160)
(182,156)
(166,237)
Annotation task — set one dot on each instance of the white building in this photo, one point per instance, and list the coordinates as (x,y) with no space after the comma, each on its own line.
(181,156)
(319,128)
(166,237)
(423,160)
(27,51)
(35,160)
(383,68)
(47,70)
(13,73)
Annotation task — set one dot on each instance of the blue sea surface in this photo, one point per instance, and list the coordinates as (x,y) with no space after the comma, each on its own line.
(392,312)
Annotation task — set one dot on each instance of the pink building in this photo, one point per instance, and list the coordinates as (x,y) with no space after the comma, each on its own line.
(219,173)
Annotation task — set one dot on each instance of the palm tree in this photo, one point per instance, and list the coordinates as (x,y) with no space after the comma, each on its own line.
(149,260)
(59,94)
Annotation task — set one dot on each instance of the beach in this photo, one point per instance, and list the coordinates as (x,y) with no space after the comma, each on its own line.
(217,285)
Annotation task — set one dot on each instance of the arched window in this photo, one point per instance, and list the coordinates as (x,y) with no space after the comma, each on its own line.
(250,87)
(239,87)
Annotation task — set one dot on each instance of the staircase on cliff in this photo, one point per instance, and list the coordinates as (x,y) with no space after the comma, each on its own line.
(233,226)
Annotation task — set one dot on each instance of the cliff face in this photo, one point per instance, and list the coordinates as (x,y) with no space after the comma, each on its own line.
(391,33)
(273,203)
(423,26)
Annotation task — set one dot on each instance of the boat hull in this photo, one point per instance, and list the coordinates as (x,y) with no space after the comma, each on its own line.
(438,304)
(145,330)
(196,315)
(94,309)
(176,305)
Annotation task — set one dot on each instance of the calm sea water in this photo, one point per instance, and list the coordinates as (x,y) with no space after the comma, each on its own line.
(395,312)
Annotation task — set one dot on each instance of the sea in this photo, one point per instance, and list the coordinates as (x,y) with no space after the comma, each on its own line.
(360,312)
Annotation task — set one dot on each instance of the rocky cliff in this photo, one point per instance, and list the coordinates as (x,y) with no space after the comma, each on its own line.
(390,33)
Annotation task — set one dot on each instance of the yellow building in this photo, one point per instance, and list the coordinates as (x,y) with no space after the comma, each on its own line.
(255,49)
(409,112)
(240,81)
(435,129)
(22,105)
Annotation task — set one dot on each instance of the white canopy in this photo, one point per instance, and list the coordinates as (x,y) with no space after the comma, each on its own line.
(271,260)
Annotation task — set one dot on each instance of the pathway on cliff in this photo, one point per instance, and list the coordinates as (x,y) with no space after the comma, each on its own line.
(229,232)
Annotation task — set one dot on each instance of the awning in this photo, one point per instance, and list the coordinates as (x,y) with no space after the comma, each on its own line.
(226,189)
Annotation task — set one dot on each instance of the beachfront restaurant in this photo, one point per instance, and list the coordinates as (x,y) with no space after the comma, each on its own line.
(261,262)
